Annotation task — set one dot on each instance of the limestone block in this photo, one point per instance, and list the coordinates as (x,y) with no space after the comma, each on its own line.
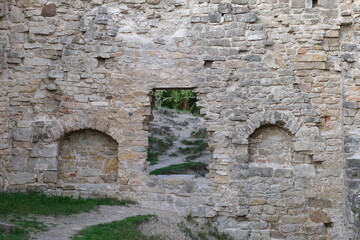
(50,177)
(37,61)
(298,3)
(153,2)
(247,18)
(239,2)
(256,35)
(318,57)
(56,74)
(42,30)
(16,15)
(20,178)
(45,150)
(22,134)
(18,162)
(348,57)
(319,217)
(309,65)
(286,173)
(260,172)
(225,8)
(304,171)
(214,17)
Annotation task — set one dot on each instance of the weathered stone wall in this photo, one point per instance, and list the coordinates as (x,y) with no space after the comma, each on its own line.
(73,65)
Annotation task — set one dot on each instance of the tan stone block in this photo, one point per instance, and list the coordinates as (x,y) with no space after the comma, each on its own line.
(127,156)
(221,179)
(309,65)
(294,219)
(319,217)
(316,57)
(332,33)
(112,166)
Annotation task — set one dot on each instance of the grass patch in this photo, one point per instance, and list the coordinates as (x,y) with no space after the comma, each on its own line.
(120,230)
(158,146)
(183,168)
(197,147)
(15,208)
(152,157)
(22,204)
(200,133)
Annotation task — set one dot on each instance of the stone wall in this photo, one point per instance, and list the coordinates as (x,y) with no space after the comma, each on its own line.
(286,64)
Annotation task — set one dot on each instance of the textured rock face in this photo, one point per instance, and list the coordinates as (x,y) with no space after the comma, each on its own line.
(74,65)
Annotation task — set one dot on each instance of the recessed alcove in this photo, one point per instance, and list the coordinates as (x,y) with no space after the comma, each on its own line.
(88,156)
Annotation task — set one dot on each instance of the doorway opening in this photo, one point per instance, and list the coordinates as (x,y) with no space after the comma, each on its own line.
(178,136)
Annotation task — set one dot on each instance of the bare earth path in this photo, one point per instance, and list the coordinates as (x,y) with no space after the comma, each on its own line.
(66,226)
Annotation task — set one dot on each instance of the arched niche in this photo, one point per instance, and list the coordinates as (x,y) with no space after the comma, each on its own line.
(88,156)
(270,145)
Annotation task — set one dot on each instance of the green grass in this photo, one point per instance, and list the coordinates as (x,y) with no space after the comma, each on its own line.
(197,147)
(200,133)
(183,168)
(152,157)
(20,204)
(15,208)
(127,229)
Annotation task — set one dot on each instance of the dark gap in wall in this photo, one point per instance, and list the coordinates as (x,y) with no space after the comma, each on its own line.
(178,135)
(314,3)
(208,63)
(328,225)
(101,61)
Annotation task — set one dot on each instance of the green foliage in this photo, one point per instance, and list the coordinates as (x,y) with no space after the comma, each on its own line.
(198,146)
(118,230)
(22,204)
(200,133)
(152,157)
(158,146)
(182,168)
(175,99)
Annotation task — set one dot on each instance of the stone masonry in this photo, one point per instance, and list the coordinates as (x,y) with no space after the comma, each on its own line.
(277,80)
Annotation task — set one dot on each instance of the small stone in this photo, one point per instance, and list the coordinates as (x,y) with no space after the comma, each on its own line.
(214,17)
(50,177)
(16,15)
(153,2)
(247,17)
(49,10)
(319,217)
(225,8)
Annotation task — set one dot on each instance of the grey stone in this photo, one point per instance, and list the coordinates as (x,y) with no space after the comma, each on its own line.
(260,172)
(239,2)
(304,171)
(16,15)
(247,18)
(22,134)
(287,173)
(348,57)
(45,150)
(256,35)
(50,177)
(42,30)
(225,8)
(20,178)
(215,17)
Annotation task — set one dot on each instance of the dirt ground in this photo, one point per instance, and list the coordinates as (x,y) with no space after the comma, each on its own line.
(63,227)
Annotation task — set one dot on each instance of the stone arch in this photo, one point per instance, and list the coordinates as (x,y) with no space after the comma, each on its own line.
(285,120)
(64,125)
